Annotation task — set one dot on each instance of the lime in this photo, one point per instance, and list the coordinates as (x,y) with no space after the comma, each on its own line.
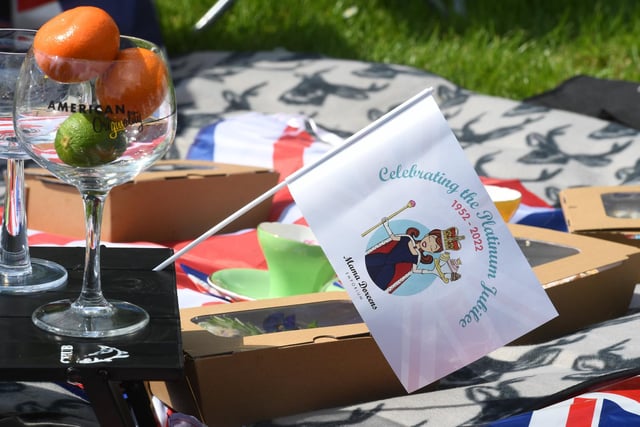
(89,139)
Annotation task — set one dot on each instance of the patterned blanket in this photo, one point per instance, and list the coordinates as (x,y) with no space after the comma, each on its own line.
(544,148)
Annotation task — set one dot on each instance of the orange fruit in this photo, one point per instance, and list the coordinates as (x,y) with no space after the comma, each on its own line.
(134,86)
(64,43)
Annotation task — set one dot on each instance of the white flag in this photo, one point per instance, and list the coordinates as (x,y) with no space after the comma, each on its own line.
(416,241)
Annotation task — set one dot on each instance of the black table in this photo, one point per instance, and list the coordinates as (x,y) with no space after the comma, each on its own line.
(109,367)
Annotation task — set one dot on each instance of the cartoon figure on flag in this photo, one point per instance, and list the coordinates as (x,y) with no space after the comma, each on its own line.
(396,255)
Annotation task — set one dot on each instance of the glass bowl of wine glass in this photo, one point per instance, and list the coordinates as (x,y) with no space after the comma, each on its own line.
(19,272)
(95,131)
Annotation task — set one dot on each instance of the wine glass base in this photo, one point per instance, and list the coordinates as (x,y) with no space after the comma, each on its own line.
(44,275)
(66,318)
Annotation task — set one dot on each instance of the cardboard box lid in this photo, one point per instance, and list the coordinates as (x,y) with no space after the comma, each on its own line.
(590,256)
(588,279)
(585,210)
(198,342)
(171,169)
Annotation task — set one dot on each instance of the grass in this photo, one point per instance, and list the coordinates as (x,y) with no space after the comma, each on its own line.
(507,48)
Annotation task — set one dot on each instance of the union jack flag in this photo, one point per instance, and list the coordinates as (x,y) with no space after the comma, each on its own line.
(614,405)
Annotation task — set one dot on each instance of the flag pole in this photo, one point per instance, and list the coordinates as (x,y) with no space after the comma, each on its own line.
(295,175)
(410,204)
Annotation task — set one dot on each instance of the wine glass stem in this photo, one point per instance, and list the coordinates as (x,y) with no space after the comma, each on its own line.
(91,295)
(14,243)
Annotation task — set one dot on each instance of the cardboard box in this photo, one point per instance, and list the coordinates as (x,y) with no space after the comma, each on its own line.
(589,280)
(231,381)
(173,201)
(611,213)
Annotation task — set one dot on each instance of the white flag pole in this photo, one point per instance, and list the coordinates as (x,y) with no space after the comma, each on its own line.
(294,176)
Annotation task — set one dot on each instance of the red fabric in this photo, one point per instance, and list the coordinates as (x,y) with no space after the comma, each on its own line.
(240,250)
(47,239)
(288,157)
(31,4)
(581,412)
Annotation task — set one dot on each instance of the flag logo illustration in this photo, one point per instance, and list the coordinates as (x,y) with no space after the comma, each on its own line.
(403,257)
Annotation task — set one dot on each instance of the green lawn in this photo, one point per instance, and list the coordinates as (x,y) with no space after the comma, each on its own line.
(508,48)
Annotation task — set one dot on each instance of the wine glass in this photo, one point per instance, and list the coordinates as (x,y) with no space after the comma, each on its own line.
(19,273)
(95,134)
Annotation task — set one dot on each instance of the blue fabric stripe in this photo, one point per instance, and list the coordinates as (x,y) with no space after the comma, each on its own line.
(204,143)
